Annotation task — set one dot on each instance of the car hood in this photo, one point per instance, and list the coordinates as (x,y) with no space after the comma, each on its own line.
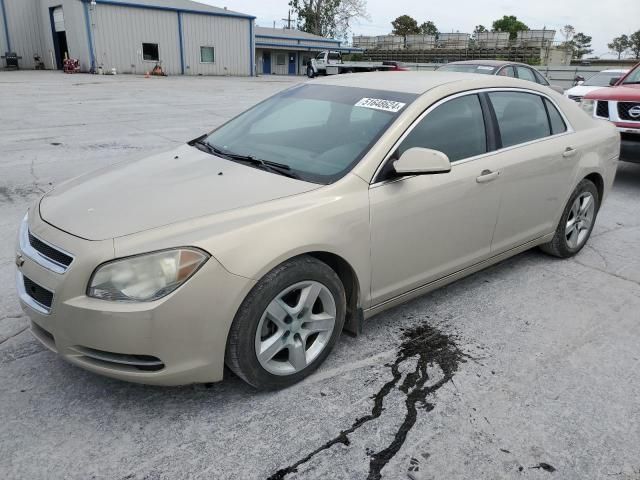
(160,190)
(582,90)
(626,93)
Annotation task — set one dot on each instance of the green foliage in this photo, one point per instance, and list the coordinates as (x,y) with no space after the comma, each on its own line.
(581,44)
(619,45)
(328,18)
(429,28)
(479,29)
(405,25)
(634,44)
(511,24)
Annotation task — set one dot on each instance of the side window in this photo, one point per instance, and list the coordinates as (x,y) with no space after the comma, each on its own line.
(525,73)
(521,117)
(507,71)
(540,79)
(455,128)
(557,123)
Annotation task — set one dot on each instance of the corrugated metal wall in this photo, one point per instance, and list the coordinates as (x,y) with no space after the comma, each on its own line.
(230,37)
(75,28)
(119,33)
(24,30)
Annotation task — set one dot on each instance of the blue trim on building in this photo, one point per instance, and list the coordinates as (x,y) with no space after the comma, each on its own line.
(309,47)
(6,25)
(181,42)
(300,39)
(252,50)
(170,9)
(87,21)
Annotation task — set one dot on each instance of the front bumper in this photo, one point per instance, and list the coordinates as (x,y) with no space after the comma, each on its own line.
(179,339)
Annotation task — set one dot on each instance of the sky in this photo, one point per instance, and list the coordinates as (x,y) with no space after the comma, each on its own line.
(602,19)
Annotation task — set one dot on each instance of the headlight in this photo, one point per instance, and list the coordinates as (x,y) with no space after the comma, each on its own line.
(587,106)
(147,277)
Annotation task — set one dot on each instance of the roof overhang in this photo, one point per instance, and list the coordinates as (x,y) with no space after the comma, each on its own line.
(171,9)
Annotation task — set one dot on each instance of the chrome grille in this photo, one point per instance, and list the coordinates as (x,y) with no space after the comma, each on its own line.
(624,111)
(602,109)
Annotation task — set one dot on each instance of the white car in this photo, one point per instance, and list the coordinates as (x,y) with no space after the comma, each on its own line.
(599,80)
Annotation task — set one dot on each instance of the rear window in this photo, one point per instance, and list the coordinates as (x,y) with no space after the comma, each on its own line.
(522,117)
(468,68)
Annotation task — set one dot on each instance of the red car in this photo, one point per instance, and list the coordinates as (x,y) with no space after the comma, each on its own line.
(620,105)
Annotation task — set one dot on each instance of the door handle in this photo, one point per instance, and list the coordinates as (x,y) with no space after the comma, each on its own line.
(569,152)
(487,176)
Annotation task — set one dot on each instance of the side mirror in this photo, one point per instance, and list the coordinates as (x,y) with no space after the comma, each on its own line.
(422,161)
(614,80)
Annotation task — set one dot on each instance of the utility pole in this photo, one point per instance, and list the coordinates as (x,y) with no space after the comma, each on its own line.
(288,20)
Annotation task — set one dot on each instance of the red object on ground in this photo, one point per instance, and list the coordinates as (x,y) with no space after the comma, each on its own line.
(71,65)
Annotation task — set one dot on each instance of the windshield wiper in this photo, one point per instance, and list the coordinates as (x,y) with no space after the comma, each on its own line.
(275,167)
(630,83)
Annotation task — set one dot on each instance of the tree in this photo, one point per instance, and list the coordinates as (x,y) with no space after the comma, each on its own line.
(429,28)
(581,44)
(328,18)
(479,29)
(511,24)
(634,44)
(405,25)
(568,32)
(619,45)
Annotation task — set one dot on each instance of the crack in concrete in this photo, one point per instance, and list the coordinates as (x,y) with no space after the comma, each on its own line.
(635,282)
(431,348)
(14,335)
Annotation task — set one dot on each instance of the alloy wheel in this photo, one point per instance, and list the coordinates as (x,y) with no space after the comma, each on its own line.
(295,328)
(580,220)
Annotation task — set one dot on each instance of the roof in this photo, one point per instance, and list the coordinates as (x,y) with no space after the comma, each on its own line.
(492,63)
(187,6)
(292,34)
(420,82)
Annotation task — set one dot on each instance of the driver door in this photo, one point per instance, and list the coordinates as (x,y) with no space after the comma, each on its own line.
(425,227)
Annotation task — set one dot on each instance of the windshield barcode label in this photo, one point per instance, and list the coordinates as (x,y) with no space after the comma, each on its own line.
(381,104)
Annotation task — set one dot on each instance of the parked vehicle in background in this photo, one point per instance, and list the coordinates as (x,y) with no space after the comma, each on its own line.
(502,68)
(620,105)
(599,80)
(331,63)
(252,246)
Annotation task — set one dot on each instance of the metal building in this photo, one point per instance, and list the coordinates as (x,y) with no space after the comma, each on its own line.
(132,36)
(284,51)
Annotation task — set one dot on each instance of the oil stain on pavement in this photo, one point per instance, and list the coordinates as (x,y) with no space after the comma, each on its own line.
(430,348)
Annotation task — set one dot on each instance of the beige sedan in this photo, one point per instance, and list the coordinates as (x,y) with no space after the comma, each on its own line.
(256,245)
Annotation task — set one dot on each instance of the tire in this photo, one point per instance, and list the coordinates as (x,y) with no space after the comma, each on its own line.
(273,342)
(564,243)
(310,72)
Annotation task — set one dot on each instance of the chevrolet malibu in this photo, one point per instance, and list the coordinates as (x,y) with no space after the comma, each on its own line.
(256,245)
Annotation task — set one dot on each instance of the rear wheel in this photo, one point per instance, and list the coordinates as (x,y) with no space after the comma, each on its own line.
(287,325)
(576,222)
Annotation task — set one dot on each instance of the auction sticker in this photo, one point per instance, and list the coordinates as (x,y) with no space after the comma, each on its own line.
(381,104)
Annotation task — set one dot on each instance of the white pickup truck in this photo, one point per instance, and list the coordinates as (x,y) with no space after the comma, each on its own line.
(330,63)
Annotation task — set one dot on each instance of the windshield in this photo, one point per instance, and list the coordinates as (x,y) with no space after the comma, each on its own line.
(469,68)
(318,131)
(633,77)
(602,79)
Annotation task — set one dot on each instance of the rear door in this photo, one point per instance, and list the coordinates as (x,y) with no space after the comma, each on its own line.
(536,163)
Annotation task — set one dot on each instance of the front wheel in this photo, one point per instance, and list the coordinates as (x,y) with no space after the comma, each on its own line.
(310,72)
(576,222)
(287,325)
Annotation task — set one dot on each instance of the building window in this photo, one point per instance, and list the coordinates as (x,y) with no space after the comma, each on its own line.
(150,52)
(207,55)
(281,59)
